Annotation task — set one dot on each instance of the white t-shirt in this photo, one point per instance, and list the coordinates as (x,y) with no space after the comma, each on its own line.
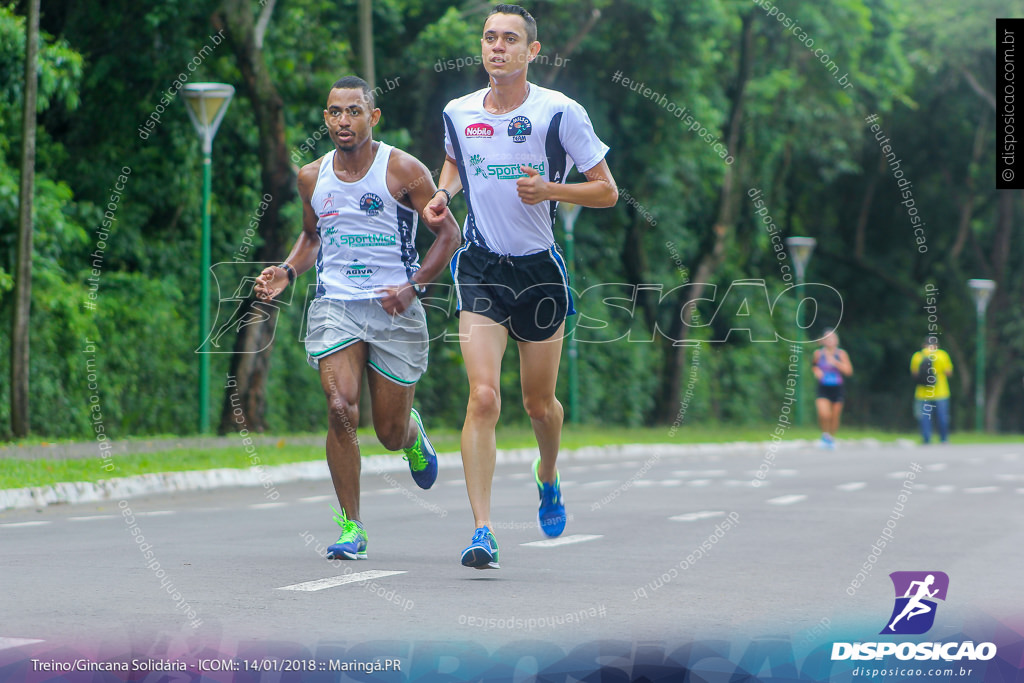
(548,131)
(367,239)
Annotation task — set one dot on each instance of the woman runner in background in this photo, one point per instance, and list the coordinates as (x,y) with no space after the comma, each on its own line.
(831,365)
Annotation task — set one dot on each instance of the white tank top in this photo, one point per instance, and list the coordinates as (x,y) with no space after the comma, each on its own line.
(367,239)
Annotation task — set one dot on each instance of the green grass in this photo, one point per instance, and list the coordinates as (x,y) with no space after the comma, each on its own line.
(15,473)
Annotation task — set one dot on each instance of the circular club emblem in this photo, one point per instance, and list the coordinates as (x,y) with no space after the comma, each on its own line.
(519,128)
(371,204)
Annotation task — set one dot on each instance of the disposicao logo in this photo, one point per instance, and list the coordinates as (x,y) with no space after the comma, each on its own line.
(916,592)
(913,614)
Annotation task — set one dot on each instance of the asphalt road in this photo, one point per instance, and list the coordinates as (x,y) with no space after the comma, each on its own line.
(630,564)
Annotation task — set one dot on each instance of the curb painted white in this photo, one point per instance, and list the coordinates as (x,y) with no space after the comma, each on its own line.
(169,482)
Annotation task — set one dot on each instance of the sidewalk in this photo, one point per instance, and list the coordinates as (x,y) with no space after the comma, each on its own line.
(78,450)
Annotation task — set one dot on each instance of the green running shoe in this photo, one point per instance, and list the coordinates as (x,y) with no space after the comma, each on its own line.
(422,457)
(351,544)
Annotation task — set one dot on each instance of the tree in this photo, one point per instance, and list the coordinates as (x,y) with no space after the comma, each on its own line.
(23,272)
(251,359)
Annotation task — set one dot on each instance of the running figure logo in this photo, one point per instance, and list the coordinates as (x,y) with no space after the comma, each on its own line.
(916,592)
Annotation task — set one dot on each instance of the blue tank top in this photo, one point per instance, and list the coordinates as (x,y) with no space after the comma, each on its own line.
(832,376)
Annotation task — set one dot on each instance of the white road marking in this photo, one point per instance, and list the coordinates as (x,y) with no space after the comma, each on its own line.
(564,540)
(897,475)
(671,482)
(264,506)
(457,482)
(88,518)
(787,500)
(8,643)
(1010,477)
(745,482)
(520,475)
(696,516)
(316,499)
(700,473)
(944,488)
(698,482)
(331,582)
(154,513)
(852,486)
(982,489)
(787,473)
(641,483)
(603,482)
(14,524)
(936,467)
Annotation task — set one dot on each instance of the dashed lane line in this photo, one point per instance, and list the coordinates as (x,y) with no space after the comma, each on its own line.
(787,500)
(697,516)
(331,582)
(564,540)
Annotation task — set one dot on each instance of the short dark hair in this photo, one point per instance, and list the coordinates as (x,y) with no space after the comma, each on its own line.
(356,83)
(531,23)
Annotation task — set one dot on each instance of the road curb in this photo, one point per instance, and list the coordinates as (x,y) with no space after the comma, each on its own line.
(269,477)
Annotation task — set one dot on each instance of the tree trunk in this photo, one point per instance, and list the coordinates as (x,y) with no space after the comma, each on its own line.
(250,362)
(675,356)
(20,417)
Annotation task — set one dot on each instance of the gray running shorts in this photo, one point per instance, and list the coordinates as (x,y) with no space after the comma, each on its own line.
(397,343)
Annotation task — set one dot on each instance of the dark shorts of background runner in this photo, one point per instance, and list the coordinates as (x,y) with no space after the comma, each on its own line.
(831,392)
(529,294)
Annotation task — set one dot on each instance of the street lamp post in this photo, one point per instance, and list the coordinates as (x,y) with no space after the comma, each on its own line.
(569,213)
(207,104)
(982,291)
(800,250)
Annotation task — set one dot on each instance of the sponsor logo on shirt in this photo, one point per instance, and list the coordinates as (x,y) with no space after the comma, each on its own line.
(479,130)
(359,271)
(511,171)
(370,203)
(519,128)
(328,207)
(475,161)
(358,240)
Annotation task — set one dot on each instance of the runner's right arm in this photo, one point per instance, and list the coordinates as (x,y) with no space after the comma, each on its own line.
(274,279)
(436,210)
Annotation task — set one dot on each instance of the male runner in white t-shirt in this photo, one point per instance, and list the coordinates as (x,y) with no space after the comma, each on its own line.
(509,148)
(359,207)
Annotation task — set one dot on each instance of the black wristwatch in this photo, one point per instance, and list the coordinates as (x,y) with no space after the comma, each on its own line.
(419,289)
(286,267)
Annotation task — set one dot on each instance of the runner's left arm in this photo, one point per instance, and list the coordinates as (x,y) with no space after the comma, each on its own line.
(598,192)
(410,183)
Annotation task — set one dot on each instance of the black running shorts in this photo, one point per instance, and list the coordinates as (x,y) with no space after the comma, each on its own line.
(529,294)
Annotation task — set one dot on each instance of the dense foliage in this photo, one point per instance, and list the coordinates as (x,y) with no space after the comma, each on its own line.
(794,127)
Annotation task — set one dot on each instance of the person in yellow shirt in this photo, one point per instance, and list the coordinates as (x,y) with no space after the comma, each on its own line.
(932,368)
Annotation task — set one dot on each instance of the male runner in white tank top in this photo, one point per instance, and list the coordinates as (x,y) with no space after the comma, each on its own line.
(509,147)
(359,208)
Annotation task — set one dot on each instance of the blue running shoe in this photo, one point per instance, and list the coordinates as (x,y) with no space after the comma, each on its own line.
(351,544)
(551,515)
(422,457)
(482,553)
